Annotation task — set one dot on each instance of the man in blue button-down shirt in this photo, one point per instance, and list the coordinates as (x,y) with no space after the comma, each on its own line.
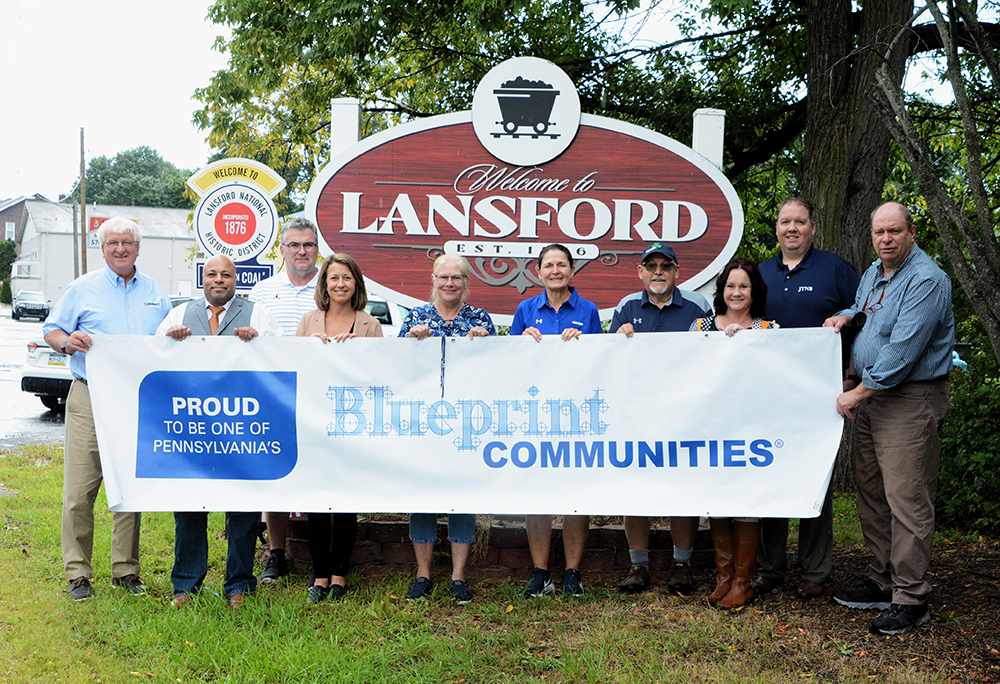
(805,286)
(117,300)
(899,398)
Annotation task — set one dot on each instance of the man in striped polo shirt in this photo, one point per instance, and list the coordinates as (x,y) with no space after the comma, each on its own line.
(288,295)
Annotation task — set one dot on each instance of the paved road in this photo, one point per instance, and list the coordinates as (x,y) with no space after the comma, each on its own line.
(23,419)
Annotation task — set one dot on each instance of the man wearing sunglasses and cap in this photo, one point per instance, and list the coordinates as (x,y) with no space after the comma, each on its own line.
(659,307)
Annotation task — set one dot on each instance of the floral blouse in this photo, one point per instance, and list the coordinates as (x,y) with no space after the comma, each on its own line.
(468,317)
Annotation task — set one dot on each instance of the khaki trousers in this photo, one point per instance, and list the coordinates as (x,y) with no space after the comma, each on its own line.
(81,481)
(896,471)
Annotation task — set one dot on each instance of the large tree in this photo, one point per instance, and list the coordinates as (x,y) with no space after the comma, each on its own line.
(138,177)
(960,186)
(795,77)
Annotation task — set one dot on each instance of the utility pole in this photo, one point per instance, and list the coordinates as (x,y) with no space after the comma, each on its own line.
(85,232)
(76,255)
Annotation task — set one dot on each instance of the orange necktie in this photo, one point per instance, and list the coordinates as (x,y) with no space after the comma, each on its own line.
(213,322)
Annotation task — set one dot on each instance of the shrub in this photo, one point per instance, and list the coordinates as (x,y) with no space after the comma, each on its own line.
(5,294)
(968,496)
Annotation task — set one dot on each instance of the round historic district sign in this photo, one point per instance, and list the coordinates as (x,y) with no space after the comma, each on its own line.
(526,111)
(235,220)
(235,216)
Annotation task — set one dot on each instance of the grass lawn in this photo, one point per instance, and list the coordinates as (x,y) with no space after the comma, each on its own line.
(373,635)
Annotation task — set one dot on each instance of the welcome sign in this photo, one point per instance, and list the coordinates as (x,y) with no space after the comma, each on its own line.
(581,426)
(523,169)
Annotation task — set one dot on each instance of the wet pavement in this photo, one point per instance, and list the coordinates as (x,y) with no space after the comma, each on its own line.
(23,419)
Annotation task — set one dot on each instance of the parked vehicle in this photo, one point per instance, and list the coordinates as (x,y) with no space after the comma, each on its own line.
(389,314)
(29,304)
(46,374)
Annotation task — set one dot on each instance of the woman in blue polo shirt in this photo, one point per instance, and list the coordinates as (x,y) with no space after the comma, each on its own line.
(557,311)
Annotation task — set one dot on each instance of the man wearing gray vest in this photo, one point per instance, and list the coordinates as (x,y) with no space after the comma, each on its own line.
(219,312)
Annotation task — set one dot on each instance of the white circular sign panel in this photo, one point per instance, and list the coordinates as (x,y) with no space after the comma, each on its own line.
(236,220)
(526,111)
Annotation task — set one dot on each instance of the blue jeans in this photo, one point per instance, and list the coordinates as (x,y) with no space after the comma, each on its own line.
(191,552)
(461,528)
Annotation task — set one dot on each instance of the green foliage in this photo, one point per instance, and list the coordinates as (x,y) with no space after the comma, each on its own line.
(139,177)
(374,635)
(968,495)
(405,60)
(8,255)
(6,297)
(938,124)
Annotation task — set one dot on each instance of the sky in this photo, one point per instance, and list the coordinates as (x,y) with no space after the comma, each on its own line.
(125,71)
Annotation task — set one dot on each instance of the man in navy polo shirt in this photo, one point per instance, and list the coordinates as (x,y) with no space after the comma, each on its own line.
(659,307)
(805,286)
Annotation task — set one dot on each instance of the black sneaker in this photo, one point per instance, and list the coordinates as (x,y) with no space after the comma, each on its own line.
(79,589)
(336,592)
(681,579)
(637,580)
(316,594)
(460,593)
(865,596)
(275,567)
(131,583)
(901,617)
(539,584)
(572,585)
(420,589)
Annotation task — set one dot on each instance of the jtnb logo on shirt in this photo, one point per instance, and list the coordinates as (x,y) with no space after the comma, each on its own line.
(217,425)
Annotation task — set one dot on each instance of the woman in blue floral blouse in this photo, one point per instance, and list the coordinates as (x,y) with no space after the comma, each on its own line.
(447,315)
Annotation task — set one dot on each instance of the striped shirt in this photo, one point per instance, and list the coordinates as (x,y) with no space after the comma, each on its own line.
(287,302)
(910,327)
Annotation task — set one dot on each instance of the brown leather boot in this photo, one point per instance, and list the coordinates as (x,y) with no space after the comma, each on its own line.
(747,535)
(722,540)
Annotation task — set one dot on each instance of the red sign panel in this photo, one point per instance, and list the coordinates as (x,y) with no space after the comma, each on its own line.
(398,200)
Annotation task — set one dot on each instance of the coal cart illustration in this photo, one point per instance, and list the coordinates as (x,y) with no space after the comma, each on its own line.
(528,104)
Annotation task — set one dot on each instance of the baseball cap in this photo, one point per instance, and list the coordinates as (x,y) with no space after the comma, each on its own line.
(659,248)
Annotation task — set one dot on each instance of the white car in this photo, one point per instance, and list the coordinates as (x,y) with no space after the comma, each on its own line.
(389,314)
(46,373)
(28,304)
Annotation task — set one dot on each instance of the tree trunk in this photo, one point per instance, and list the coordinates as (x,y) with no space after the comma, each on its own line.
(846,144)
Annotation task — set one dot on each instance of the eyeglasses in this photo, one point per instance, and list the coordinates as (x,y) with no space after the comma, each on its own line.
(127,244)
(877,305)
(653,268)
(296,246)
(451,279)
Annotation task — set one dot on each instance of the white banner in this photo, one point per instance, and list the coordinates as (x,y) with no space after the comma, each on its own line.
(659,424)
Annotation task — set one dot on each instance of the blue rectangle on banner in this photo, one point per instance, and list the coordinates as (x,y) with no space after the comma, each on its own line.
(217,425)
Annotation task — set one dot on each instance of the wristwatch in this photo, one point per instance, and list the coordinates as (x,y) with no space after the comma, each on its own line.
(856,379)
(62,347)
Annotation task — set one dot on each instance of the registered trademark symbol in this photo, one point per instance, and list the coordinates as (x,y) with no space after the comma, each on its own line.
(779,443)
